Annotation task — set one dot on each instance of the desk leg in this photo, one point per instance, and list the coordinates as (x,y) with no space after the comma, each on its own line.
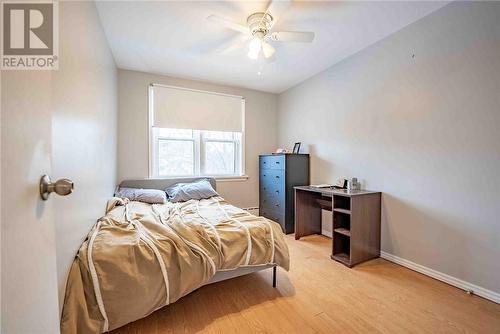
(307,213)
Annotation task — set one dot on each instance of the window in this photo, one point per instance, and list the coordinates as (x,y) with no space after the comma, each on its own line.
(195,133)
(181,152)
(175,152)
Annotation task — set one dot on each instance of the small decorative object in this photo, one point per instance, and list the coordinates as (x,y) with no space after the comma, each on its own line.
(282,151)
(296,148)
(341,184)
(353,184)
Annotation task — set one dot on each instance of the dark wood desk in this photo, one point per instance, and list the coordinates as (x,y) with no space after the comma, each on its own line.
(355,223)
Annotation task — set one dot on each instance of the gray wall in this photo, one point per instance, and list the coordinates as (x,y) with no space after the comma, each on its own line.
(424,130)
(84,97)
(260,125)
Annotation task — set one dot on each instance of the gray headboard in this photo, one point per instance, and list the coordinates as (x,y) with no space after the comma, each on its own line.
(163,183)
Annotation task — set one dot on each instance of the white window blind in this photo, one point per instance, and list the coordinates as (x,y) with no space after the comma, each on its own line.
(195,133)
(180,108)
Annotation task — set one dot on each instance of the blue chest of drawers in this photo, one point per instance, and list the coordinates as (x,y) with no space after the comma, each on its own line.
(278,174)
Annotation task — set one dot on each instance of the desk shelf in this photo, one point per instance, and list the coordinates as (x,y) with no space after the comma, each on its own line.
(343,231)
(341,249)
(341,220)
(347,212)
(356,228)
(342,258)
(342,203)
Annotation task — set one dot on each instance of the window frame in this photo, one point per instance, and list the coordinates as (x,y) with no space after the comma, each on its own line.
(198,144)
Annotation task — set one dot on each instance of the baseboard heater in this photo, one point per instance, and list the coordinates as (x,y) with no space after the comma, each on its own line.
(252,210)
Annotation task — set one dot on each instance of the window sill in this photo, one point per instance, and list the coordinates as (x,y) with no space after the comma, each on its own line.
(231,178)
(228,178)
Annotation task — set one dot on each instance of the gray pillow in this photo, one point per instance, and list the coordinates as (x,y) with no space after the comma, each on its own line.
(182,192)
(151,196)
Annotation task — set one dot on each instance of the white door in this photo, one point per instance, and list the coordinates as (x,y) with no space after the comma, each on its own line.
(28,251)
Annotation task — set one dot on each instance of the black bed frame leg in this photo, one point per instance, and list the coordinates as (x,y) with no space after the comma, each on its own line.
(274,276)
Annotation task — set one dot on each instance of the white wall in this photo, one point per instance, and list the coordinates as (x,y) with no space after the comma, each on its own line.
(28,272)
(84,95)
(424,130)
(260,125)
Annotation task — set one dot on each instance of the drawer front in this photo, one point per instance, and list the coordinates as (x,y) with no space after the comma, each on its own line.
(274,216)
(272,191)
(272,185)
(272,178)
(272,162)
(273,203)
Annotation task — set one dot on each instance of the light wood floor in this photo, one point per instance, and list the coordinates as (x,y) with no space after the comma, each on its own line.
(319,295)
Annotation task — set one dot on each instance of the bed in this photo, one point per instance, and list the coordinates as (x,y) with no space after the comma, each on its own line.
(141,257)
(163,184)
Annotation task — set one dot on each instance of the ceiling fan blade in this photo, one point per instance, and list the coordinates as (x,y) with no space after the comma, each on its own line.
(237,44)
(276,8)
(292,36)
(228,24)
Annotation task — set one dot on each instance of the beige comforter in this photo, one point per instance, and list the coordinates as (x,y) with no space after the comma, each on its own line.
(140,257)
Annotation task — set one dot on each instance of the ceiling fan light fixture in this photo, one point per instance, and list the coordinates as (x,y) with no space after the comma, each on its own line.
(254,48)
(253,55)
(259,27)
(255,45)
(267,50)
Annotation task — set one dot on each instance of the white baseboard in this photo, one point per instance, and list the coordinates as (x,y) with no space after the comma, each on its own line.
(469,287)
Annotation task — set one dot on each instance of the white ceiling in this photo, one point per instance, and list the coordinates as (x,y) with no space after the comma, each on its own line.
(174,38)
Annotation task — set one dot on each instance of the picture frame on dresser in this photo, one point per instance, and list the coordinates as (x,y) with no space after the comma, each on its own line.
(296,148)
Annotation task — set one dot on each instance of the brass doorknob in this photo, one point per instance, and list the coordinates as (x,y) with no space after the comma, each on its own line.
(61,187)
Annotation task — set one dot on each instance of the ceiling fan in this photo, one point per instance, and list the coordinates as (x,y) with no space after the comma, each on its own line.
(259,27)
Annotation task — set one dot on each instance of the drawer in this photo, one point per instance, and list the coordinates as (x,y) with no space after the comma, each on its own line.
(274,216)
(272,200)
(272,190)
(272,162)
(274,204)
(269,177)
